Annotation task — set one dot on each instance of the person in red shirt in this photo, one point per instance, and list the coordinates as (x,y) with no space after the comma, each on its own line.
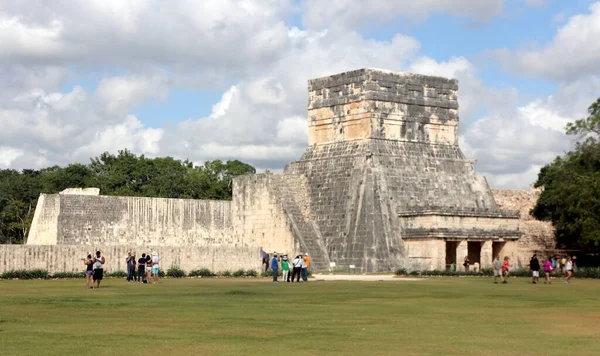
(505,268)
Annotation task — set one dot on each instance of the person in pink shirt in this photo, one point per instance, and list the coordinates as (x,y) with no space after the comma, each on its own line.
(547,270)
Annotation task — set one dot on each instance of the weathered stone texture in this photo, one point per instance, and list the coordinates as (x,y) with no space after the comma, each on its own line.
(108,220)
(67,258)
(382,185)
(537,236)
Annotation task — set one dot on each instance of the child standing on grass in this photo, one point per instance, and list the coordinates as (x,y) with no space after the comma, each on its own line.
(547,270)
(505,268)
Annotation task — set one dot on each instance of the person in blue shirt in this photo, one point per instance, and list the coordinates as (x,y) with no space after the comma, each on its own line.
(275,268)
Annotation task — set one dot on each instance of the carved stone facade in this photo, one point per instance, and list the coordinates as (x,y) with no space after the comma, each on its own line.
(382,185)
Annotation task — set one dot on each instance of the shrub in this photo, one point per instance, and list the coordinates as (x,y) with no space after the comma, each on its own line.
(161,273)
(62,275)
(587,272)
(26,274)
(269,273)
(175,272)
(239,273)
(117,274)
(204,272)
(251,273)
(401,272)
(226,274)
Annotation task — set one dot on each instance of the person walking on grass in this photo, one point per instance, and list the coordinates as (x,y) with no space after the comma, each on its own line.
(155,265)
(547,270)
(89,272)
(505,269)
(275,268)
(534,266)
(141,277)
(569,268)
(297,269)
(285,269)
(497,265)
(99,262)
(130,261)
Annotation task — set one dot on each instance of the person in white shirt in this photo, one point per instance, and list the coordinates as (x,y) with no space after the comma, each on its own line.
(155,261)
(569,267)
(297,269)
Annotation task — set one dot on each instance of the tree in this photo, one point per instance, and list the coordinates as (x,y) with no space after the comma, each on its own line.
(122,174)
(571,195)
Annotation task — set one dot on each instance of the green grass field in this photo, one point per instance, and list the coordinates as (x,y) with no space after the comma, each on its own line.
(437,316)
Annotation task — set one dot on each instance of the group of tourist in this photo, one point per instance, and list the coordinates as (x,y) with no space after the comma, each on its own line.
(146,267)
(94,269)
(565,265)
(298,267)
(552,265)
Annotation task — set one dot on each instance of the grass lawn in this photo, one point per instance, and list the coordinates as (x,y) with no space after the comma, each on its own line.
(437,316)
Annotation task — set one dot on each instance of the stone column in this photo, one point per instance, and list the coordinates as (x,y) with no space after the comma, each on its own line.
(462,250)
(486,254)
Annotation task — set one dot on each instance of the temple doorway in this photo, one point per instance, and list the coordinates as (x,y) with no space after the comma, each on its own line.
(451,253)
(497,249)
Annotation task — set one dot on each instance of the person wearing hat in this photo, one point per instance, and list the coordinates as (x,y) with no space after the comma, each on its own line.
(155,261)
(275,268)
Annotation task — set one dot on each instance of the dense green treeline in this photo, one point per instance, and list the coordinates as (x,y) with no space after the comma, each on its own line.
(122,174)
(571,195)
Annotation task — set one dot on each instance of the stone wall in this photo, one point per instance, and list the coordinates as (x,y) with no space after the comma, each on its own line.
(537,236)
(259,216)
(67,258)
(110,220)
(44,226)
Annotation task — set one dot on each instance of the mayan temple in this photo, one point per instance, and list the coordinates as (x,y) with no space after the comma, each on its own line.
(382,185)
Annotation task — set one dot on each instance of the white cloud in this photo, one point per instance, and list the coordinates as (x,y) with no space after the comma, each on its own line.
(8,155)
(135,52)
(573,52)
(346,14)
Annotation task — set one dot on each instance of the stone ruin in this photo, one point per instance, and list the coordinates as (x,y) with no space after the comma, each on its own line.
(382,185)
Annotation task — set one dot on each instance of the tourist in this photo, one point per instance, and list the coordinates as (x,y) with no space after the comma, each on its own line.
(130,260)
(142,269)
(99,262)
(534,266)
(563,265)
(547,270)
(265,260)
(466,263)
(285,269)
(148,268)
(275,268)
(155,261)
(569,270)
(297,269)
(505,269)
(497,265)
(304,268)
(89,271)
(307,259)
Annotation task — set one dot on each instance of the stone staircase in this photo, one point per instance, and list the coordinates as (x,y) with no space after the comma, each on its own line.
(293,195)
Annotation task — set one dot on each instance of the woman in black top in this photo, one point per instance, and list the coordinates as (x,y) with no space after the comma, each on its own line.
(89,272)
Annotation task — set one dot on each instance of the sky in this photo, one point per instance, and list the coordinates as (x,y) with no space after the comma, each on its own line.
(204,80)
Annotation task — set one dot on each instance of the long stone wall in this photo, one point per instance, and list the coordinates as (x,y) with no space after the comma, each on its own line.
(67,258)
(66,219)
